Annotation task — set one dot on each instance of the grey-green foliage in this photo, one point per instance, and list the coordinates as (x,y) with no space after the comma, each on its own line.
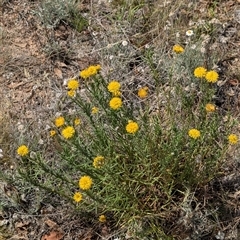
(52,12)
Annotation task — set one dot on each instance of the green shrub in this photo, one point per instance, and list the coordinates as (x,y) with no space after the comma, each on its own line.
(52,13)
(118,159)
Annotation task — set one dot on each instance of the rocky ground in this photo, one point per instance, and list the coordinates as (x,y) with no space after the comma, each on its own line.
(35,62)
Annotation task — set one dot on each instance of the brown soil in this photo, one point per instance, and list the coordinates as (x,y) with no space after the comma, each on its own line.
(33,72)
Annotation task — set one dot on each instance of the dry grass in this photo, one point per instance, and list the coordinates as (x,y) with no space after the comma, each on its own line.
(35,62)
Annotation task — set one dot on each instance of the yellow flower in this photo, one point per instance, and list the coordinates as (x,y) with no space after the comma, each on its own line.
(77,121)
(71,93)
(73,84)
(115,103)
(95,110)
(77,197)
(59,121)
(232,139)
(85,182)
(102,218)
(194,133)
(143,92)
(114,87)
(98,67)
(178,49)
(68,132)
(132,127)
(98,161)
(52,133)
(210,107)
(22,150)
(85,74)
(90,71)
(211,76)
(200,72)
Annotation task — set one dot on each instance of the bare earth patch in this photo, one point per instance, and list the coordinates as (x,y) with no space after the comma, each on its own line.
(35,63)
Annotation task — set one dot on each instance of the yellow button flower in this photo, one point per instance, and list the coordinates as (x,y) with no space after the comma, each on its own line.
(132,127)
(22,150)
(194,133)
(98,161)
(115,103)
(71,93)
(68,132)
(77,121)
(95,110)
(102,218)
(98,67)
(233,139)
(114,86)
(59,121)
(85,183)
(143,92)
(210,107)
(90,71)
(211,76)
(52,133)
(178,49)
(200,72)
(73,84)
(77,197)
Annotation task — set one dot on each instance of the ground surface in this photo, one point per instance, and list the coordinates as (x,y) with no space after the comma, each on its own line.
(35,64)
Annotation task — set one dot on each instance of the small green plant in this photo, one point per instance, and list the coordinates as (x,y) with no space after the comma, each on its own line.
(77,21)
(128,9)
(55,51)
(121,160)
(52,13)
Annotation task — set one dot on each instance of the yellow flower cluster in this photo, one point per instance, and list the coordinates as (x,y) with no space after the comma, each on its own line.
(132,127)
(85,183)
(210,76)
(115,103)
(178,49)
(143,92)
(90,71)
(59,121)
(72,85)
(22,150)
(98,161)
(233,139)
(194,133)
(68,132)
